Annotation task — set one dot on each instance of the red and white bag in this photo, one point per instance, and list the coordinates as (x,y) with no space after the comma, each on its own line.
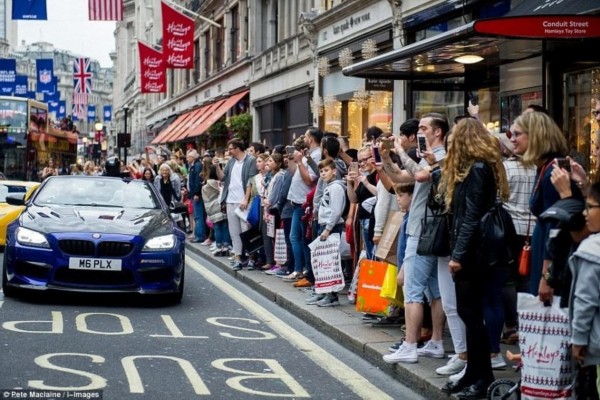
(544,338)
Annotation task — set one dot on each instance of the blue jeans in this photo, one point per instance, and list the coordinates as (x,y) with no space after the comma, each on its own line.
(200,225)
(287,228)
(297,232)
(222,237)
(369,245)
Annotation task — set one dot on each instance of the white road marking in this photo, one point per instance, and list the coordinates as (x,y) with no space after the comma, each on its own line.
(337,369)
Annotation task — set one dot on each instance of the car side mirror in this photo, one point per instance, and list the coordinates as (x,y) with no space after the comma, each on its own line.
(177,207)
(16,199)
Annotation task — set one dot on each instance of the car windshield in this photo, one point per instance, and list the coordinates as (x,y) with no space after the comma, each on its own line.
(96,191)
(8,189)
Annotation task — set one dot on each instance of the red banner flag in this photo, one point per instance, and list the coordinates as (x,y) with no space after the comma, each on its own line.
(152,69)
(105,10)
(178,38)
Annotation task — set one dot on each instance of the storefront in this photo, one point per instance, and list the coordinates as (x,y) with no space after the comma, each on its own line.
(502,57)
(283,117)
(346,105)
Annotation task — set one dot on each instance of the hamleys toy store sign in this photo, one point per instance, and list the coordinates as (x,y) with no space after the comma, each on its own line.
(541,27)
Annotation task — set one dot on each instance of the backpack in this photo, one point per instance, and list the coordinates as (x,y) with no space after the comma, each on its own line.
(347,203)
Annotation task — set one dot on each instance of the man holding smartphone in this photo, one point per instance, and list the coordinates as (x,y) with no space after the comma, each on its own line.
(421,272)
(303,180)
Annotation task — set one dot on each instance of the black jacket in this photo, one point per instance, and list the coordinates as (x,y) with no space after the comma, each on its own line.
(472,198)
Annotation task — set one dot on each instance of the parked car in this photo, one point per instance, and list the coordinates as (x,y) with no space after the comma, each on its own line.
(9,212)
(95,234)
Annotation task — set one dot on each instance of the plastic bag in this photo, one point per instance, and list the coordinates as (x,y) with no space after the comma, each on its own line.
(544,338)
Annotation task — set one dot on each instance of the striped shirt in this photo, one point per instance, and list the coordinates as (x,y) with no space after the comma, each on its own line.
(520,180)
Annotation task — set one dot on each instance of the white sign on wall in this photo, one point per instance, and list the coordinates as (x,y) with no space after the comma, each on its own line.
(360,21)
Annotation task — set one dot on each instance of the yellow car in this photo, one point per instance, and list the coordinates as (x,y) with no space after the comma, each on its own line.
(7,212)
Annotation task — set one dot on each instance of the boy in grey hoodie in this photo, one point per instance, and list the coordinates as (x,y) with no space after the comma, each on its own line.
(331,208)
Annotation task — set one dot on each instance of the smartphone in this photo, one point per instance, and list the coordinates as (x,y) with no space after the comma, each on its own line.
(421,144)
(564,163)
(353,168)
(290,151)
(387,143)
(376,155)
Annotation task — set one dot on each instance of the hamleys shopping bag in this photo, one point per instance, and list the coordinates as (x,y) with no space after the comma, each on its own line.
(544,338)
(326,263)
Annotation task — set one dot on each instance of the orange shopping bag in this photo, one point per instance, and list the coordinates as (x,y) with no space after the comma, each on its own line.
(370,279)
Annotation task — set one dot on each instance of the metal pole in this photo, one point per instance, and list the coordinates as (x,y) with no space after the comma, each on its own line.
(125,110)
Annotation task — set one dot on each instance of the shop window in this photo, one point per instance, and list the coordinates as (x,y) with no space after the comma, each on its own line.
(355,125)
(380,110)
(489,108)
(581,128)
(450,103)
(512,105)
(332,115)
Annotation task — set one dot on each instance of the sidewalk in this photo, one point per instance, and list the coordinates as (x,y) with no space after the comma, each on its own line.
(343,324)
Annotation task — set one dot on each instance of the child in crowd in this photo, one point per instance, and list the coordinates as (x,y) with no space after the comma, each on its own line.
(331,208)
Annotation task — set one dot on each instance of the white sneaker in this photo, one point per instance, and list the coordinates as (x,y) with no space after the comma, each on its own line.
(432,349)
(498,362)
(404,354)
(213,247)
(453,366)
(457,377)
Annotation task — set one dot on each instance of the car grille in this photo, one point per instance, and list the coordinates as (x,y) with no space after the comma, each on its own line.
(96,278)
(103,249)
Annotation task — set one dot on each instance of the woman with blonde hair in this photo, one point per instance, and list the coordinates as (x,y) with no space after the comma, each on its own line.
(539,141)
(473,177)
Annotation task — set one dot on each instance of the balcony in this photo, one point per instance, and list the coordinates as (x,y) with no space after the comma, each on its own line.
(284,54)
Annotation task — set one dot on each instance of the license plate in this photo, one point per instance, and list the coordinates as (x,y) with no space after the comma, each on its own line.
(102,264)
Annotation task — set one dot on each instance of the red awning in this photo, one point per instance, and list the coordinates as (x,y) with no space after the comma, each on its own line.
(217,114)
(204,113)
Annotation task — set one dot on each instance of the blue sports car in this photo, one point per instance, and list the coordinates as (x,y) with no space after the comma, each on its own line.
(95,234)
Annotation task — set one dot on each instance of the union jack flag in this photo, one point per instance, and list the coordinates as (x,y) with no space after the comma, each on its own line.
(82,76)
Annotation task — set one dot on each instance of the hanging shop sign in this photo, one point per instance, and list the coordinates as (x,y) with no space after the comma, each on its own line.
(541,27)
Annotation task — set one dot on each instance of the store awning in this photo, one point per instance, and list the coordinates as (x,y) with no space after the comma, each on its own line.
(509,38)
(218,112)
(207,110)
(172,128)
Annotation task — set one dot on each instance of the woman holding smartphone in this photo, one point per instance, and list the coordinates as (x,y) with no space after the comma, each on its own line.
(539,142)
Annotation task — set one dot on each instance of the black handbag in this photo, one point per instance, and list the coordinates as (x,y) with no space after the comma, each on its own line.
(252,240)
(435,229)
(497,237)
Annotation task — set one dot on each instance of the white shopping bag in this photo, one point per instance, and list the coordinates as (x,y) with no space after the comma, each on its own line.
(280,247)
(327,264)
(544,338)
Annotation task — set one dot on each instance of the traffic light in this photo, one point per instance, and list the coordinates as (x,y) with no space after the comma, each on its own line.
(123,140)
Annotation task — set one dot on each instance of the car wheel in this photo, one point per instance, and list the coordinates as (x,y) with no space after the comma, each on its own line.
(175,298)
(8,291)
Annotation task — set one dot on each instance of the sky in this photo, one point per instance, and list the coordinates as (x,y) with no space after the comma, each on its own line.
(68,28)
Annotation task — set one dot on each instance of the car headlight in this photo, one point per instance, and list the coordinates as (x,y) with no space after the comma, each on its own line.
(27,237)
(159,243)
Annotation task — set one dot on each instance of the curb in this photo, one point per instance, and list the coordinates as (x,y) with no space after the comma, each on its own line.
(342,324)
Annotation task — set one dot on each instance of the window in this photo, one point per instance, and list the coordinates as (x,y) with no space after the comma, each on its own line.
(235,34)
(196,71)
(207,60)
(219,46)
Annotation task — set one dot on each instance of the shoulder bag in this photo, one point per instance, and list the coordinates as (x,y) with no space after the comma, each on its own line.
(435,229)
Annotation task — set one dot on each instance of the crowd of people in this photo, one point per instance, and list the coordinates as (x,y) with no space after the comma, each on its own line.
(318,186)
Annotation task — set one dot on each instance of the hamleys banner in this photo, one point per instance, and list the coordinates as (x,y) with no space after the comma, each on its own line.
(178,38)
(152,69)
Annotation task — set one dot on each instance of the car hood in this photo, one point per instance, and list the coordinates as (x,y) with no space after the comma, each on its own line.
(126,221)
